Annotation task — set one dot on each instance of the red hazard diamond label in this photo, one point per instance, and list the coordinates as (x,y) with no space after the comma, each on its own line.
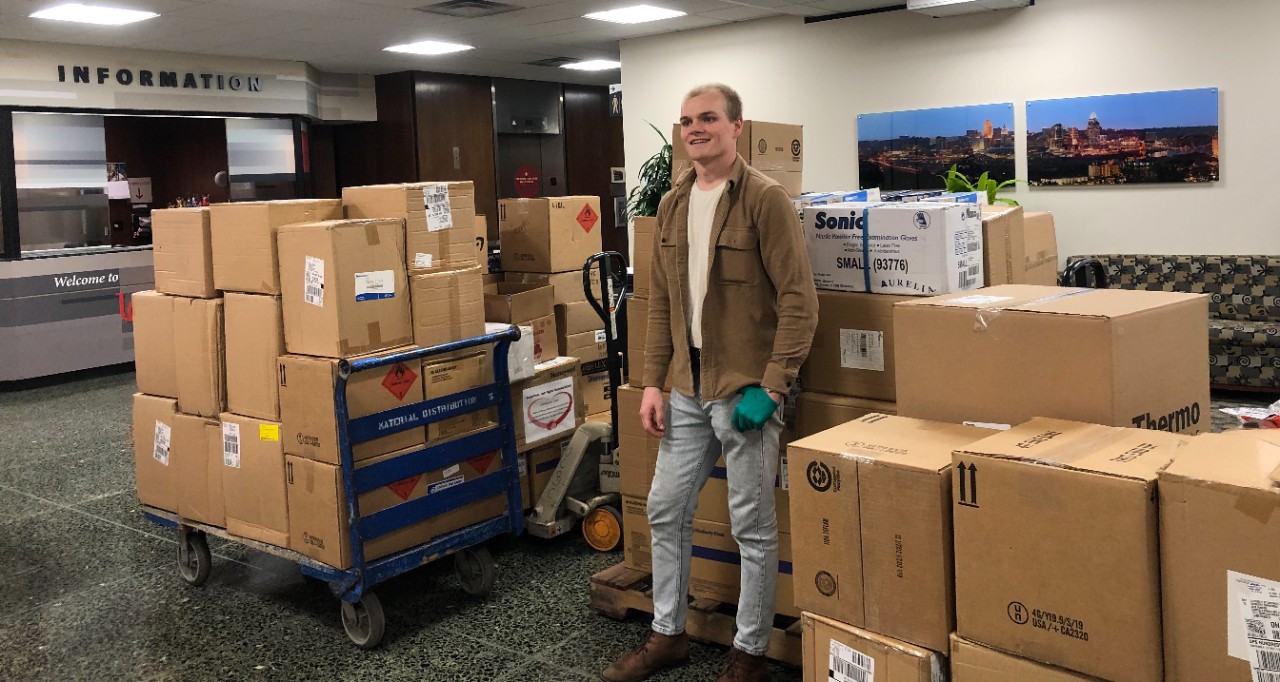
(399,380)
(482,463)
(403,489)
(588,218)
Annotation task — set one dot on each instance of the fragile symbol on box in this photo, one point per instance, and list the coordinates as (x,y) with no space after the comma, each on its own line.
(968,485)
(399,380)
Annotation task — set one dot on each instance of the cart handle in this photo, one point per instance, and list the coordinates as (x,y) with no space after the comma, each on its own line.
(347,367)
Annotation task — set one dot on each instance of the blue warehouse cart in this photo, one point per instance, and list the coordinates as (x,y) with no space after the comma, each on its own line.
(362,614)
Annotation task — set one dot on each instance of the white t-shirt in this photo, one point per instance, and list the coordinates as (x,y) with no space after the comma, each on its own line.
(702,212)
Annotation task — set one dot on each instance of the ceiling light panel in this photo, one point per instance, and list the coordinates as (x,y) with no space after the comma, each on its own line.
(429,47)
(638,14)
(93,14)
(593,65)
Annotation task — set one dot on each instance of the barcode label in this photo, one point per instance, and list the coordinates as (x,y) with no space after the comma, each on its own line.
(850,665)
(862,349)
(782,474)
(1268,660)
(435,199)
(1265,676)
(231,445)
(313,281)
(966,282)
(160,449)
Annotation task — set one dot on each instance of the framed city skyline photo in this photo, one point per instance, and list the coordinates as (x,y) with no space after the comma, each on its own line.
(1137,138)
(912,149)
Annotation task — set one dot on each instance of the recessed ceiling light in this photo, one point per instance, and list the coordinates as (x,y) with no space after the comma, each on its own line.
(93,14)
(593,65)
(428,47)
(635,15)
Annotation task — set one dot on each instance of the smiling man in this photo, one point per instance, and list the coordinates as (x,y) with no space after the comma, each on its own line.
(732,312)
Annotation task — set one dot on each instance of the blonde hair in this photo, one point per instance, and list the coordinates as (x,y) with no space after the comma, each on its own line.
(732,102)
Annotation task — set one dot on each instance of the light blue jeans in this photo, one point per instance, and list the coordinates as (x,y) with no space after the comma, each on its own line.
(697,434)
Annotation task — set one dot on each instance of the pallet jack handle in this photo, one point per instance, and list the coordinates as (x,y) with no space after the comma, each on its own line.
(610,305)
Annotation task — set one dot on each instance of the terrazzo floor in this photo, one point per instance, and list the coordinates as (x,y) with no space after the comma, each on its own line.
(89,588)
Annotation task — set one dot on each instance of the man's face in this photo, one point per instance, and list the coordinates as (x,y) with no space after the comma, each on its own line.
(706,129)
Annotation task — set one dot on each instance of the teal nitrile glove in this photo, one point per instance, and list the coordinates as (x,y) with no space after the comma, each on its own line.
(754,409)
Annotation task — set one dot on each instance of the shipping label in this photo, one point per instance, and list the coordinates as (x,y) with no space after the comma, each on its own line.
(847,664)
(1253,624)
(231,445)
(862,349)
(548,409)
(446,484)
(376,285)
(423,260)
(269,432)
(313,281)
(163,436)
(435,200)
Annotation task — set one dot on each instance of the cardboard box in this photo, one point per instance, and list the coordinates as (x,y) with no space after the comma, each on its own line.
(199,353)
(792,181)
(853,347)
(549,235)
(588,346)
(918,249)
(637,334)
(543,461)
(520,353)
(318,517)
(638,450)
(871,523)
(1004,246)
(576,318)
(307,410)
(344,287)
(817,412)
(197,463)
(481,224)
(442,377)
(439,219)
(593,368)
(597,394)
(153,420)
(716,569)
(153,350)
(765,146)
(182,253)
(1013,352)
(567,286)
(1041,248)
(516,303)
(253,485)
(833,648)
(1220,557)
(972,662)
(447,306)
(637,550)
(547,406)
(244,239)
(642,234)
(255,338)
(1057,547)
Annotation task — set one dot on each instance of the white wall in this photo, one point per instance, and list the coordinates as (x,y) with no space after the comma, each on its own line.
(823,75)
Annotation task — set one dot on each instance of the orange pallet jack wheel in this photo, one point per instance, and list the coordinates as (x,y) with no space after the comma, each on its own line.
(602,528)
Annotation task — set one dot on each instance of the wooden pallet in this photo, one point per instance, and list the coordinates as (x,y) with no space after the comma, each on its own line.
(619,591)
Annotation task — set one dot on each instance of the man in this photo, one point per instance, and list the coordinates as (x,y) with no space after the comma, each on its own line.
(731,316)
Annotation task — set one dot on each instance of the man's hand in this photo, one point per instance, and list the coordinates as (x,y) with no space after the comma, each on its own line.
(653,414)
(754,409)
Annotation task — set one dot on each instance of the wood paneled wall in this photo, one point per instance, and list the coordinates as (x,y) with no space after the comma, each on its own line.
(454,114)
(593,144)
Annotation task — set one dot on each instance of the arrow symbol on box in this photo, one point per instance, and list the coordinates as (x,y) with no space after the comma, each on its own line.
(968,484)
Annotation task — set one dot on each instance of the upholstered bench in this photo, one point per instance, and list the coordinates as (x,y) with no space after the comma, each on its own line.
(1244,307)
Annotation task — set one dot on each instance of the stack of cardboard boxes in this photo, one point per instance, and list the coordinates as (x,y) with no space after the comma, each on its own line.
(775,149)
(238,350)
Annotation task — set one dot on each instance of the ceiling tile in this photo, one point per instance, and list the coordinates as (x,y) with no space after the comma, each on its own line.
(739,13)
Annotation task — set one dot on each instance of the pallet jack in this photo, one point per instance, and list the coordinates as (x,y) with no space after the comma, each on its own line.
(585,484)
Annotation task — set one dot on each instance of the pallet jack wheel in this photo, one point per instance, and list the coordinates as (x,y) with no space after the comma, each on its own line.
(475,570)
(602,528)
(364,621)
(194,560)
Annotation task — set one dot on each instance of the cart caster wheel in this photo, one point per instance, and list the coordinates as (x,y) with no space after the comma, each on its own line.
(474,568)
(194,560)
(364,621)
(602,528)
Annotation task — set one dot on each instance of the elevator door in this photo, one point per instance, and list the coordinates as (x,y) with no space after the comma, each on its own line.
(530,165)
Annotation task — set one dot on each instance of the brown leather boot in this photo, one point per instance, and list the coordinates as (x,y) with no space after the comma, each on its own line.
(656,652)
(743,667)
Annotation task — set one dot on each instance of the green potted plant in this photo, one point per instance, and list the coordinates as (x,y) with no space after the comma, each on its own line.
(957,182)
(655,181)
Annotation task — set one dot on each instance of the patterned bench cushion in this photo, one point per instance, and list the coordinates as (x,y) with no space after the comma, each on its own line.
(1239,287)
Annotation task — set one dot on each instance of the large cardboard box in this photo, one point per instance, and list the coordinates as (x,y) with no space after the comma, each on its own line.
(518,303)
(765,146)
(447,306)
(853,347)
(255,338)
(838,651)
(521,353)
(197,458)
(201,368)
(156,472)
(913,249)
(871,523)
(593,367)
(318,516)
(1057,547)
(716,569)
(1004,246)
(637,549)
(548,405)
(344,287)
(1220,558)
(1013,352)
(638,451)
(155,357)
(549,235)
(817,412)
(244,239)
(481,225)
(1041,248)
(442,377)
(307,412)
(567,286)
(576,318)
(792,181)
(253,479)
(637,334)
(972,662)
(642,235)
(439,219)
(182,253)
